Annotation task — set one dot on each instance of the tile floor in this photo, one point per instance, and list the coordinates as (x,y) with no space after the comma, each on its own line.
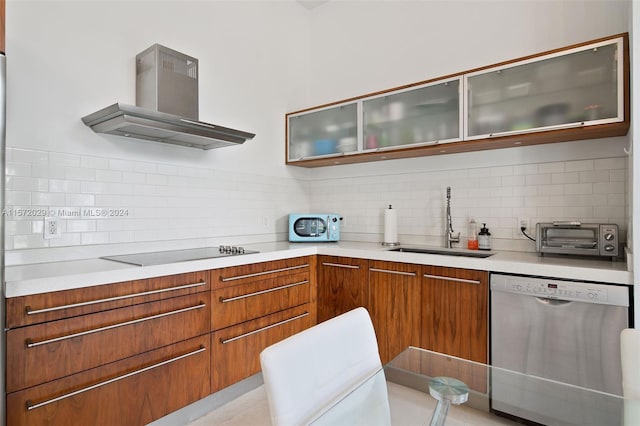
(251,409)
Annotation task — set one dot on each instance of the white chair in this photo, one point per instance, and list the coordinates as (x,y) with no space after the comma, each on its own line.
(630,357)
(308,372)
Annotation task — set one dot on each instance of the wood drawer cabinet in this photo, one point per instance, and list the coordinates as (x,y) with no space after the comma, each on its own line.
(93,355)
(252,291)
(343,285)
(38,308)
(236,349)
(455,312)
(394,305)
(43,352)
(254,306)
(132,391)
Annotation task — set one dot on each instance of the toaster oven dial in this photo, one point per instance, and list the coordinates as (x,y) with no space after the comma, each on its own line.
(609,237)
(609,248)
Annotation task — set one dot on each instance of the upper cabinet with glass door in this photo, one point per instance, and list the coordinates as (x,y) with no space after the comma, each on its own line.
(426,114)
(576,93)
(326,132)
(574,88)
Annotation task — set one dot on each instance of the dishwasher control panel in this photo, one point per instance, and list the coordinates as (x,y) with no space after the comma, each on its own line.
(550,288)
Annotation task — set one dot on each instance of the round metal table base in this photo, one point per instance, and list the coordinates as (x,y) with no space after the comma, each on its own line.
(446,391)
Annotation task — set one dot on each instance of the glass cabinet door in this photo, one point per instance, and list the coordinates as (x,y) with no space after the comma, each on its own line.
(573,88)
(426,114)
(324,132)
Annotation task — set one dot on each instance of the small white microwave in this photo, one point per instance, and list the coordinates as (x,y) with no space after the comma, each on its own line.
(314,227)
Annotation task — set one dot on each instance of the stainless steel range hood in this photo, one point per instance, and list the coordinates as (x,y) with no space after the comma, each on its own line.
(166,105)
(141,123)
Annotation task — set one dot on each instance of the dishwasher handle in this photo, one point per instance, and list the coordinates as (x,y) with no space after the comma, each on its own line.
(553,302)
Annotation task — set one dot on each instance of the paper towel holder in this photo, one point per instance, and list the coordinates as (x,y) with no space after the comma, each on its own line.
(388,218)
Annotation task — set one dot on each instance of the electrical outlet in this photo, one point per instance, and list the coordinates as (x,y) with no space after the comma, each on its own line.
(51,228)
(523,222)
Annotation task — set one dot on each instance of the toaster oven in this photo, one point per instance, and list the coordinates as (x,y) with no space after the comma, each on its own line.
(314,227)
(576,238)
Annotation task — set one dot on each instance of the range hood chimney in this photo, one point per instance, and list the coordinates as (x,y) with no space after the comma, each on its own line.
(166,105)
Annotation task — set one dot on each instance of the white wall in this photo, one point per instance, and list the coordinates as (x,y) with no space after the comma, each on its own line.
(365,46)
(376,45)
(67,59)
(258,60)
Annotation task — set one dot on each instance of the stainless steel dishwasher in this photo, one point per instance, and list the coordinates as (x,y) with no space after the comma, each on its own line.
(562,330)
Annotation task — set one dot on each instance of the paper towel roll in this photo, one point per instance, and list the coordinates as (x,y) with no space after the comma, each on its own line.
(390,227)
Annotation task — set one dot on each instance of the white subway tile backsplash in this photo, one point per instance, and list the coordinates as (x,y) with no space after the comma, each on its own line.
(551,190)
(579,166)
(143,167)
(30,184)
(595,176)
(538,179)
(558,178)
(578,188)
(79,200)
(52,171)
(90,162)
(58,185)
(167,169)
(608,188)
(610,163)
(87,238)
(79,173)
(121,165)
(47,198)
(159,202)
(551,168)
(63,159)
(133,177)
(29,156)
(108,176)
(18,169)
(81,225)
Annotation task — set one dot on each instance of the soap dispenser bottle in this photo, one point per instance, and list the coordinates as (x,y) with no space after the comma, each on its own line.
(472,242)
(484,238)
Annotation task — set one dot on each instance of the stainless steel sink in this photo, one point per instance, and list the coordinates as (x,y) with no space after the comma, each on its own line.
(445,252)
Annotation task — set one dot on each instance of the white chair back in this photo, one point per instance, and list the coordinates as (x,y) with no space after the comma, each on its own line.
(308,372)
(630,357)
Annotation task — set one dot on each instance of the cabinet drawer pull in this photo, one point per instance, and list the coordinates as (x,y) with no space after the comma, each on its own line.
(257,274)
(257,293)
(409,274)
(30,311)
(458,280)
(225,341)
(340,265)
(31,406)
(31,344)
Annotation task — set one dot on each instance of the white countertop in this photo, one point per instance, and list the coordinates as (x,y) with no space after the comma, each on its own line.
(36,278)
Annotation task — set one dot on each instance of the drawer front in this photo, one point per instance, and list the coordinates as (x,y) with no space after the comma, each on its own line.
(240,303)
(244,274)
(134,391)
(39,308)
(44,352)
(236,350)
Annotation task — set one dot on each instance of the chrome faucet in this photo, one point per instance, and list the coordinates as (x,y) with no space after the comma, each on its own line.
(449,231)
